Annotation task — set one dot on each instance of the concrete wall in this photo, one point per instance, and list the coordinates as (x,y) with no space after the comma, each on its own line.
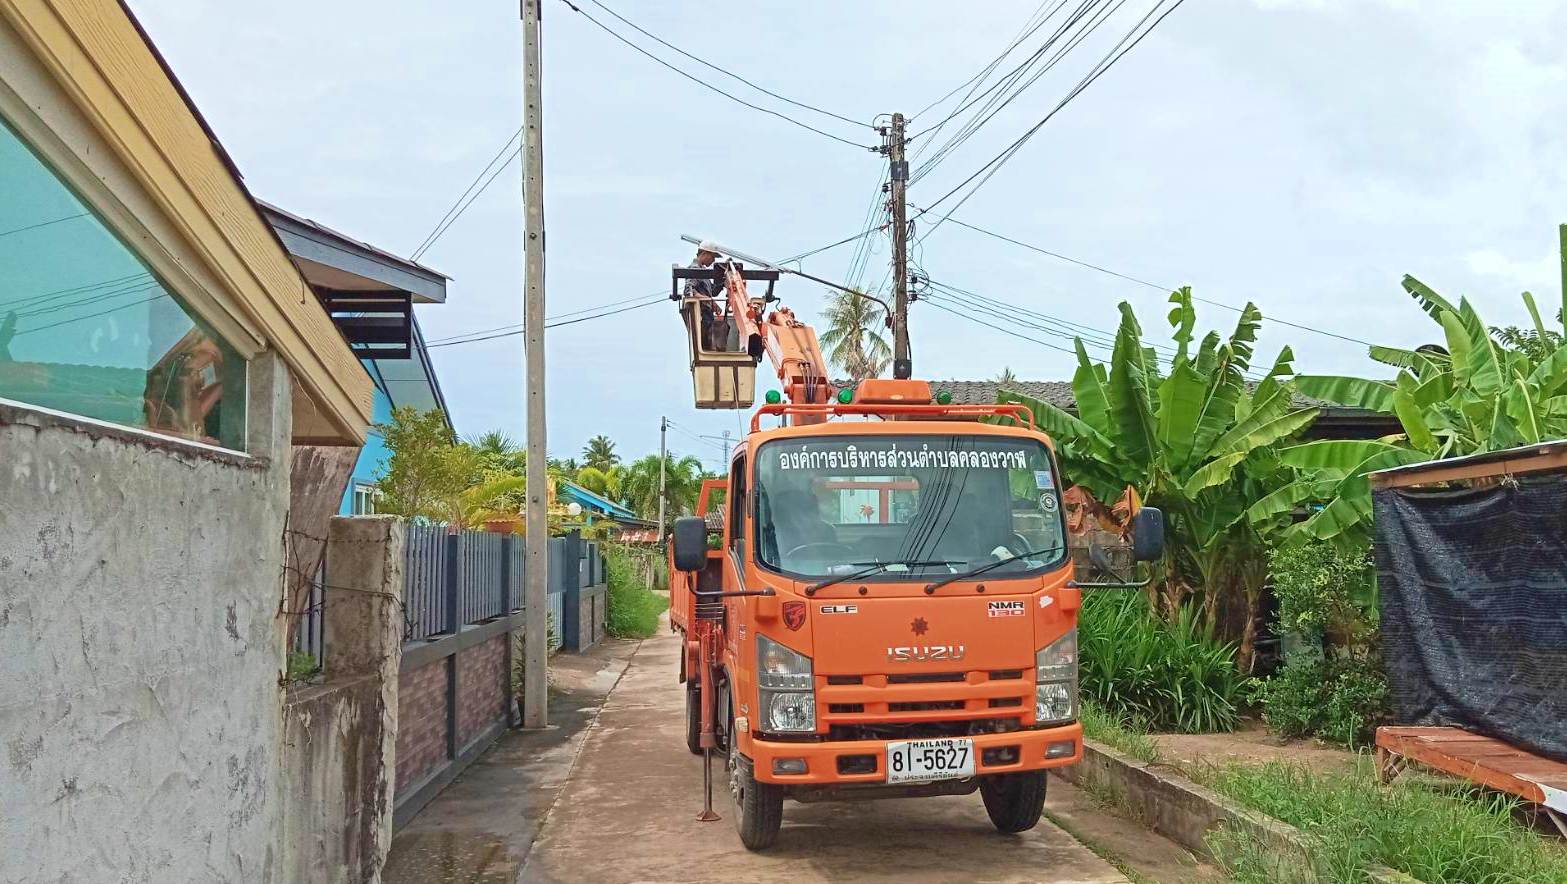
(340,736)
(141,648)
(594,611)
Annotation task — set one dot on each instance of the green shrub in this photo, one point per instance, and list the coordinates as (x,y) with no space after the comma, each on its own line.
(302,666)
(1326,592)
(633,606)
(1340,699)
(1438,837)
(1164,676)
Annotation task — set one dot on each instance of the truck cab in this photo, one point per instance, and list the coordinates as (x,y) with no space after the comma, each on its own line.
(891,610)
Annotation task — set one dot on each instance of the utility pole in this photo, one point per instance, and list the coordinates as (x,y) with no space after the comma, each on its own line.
(663,430)
(535,696)
(902,365)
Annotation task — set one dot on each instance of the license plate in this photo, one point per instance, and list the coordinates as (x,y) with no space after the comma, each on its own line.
(920,761)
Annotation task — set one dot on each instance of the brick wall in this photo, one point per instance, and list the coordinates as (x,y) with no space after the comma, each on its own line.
(482,691)
(421,722)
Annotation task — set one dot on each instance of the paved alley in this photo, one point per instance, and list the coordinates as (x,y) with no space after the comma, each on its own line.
(628,813)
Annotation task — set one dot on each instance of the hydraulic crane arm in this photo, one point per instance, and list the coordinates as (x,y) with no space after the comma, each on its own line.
(790,344)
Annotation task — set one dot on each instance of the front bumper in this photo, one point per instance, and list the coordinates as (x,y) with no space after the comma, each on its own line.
(822,759)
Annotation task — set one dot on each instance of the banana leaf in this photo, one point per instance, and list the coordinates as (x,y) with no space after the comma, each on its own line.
(1180,405)
(1212,473)
(1089,390)
(1354,392)
(1131,412)
(1431,302)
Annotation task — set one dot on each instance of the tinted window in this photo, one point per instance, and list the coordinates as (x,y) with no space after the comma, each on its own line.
(86,328)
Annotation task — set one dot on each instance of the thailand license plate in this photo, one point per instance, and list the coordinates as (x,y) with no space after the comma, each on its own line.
(920,761)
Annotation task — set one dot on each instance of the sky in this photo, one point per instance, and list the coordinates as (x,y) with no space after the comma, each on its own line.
(1300,154)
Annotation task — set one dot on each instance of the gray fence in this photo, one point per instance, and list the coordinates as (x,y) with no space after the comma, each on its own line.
(455,579)
(458,579)
(463,597)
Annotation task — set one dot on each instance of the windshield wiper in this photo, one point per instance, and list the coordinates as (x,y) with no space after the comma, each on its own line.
(993,565)
(876,567)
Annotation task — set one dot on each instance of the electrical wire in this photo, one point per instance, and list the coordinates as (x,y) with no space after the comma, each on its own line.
(706,85)
(43,224)
(475,337)
(1142,282)
(725,72)
(457,207)
(989,68)
(1098,11)
(1116,53)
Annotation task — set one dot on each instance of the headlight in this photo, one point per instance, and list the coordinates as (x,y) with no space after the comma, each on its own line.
(791,711)
(1055,702)
(1055,677)
(787,691)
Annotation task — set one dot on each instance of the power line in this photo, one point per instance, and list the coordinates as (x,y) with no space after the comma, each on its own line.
(1115,54)
(706,85)
(998,102)
(939,306)
(59,293)
(1142,282)
(43,224)
(725,72)
(659,296)
(457,207)
(556,324)
(988,69)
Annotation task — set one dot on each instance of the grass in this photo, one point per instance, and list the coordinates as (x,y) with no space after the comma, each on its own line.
(1123,736)
(1440,836)
(633,606)
(302,666)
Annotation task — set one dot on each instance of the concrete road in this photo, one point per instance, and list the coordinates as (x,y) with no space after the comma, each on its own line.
(627,813)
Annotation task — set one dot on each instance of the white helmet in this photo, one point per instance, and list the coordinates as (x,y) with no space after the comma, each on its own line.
(708,245)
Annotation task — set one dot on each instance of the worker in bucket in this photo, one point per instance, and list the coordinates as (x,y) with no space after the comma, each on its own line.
(710,298)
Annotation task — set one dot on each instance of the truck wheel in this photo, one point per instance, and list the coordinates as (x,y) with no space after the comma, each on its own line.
(1015,800)
(693,718)
(758,807)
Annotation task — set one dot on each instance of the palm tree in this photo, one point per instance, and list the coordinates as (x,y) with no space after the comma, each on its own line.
(603,482)
(1006,378)
(852,336)
(498,452)
(599,453)
(682,485)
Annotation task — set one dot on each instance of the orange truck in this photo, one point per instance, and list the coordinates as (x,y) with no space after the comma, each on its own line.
(877,601)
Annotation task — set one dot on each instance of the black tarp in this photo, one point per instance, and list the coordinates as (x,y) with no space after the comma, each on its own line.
(1473,590)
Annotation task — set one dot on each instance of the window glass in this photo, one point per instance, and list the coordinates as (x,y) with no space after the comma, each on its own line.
(86,328)
(928,504)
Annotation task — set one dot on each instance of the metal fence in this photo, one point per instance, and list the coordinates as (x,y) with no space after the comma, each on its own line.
(454,579)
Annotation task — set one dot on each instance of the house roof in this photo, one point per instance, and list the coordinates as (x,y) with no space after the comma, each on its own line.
(593,501)
(334,260)
(1059,394)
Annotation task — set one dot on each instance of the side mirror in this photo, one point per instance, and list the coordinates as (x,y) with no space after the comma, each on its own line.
(689,539)
(1147,535)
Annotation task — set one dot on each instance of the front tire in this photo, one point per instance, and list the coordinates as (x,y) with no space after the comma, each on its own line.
(758,807)
(1015,800)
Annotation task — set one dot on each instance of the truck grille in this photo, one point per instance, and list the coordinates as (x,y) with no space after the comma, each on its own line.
(946,702)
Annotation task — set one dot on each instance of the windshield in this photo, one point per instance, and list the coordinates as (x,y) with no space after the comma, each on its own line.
(931,505)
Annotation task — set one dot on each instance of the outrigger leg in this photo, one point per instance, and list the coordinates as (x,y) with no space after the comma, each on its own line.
(707,815)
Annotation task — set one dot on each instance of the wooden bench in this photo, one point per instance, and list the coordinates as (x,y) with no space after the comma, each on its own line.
(1483,760)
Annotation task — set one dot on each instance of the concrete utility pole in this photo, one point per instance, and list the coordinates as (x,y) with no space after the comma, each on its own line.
(535,696)
(663,430)
(902,366)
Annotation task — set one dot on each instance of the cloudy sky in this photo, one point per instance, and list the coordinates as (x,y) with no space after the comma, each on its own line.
(1301,154)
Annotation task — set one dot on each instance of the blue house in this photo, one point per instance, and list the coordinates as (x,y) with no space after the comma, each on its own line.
(370,294)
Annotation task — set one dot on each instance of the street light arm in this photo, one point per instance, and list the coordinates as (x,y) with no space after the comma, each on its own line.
(762,262)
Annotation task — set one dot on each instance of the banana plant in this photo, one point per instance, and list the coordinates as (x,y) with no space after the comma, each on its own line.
(1195,441)
(1469,395)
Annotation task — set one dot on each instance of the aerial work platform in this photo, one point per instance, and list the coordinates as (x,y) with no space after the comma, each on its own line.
(723,362)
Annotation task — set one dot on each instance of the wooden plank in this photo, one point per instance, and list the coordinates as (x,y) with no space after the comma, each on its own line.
(1547,458)
(1494,779)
